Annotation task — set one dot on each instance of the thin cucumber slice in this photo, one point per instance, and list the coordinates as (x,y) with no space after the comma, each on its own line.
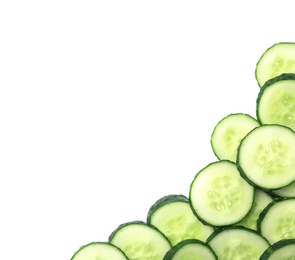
(237,243)
(139,240)
(99,250)
(281,250)
(286,192)
(277,220)
(276,101)
(173,216)
(276,60)
(228,134)
(266,156)
(191,249)
(219,196)
(261,200)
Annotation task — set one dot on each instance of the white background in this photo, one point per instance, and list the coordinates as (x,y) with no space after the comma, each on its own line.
(106,106)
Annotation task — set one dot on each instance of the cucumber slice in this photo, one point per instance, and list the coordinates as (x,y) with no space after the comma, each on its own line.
(261,200)
(281,250)
(266,156)
(286,192)
(219,196)
(276,60)
(191,249)
(99,250)
(173,216)
(276,101)
(228,134)
(277,220)
(139,240)
(237,243)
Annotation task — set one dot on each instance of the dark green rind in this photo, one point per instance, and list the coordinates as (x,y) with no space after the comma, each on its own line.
(265,53)
(267,84)
(169,255)
(164,201)
(94,243)
(278,245)
(264,212)
(220,122)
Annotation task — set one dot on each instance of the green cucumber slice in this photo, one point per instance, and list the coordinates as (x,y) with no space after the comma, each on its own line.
(191,249)
(276,60)
(277,220)
(228,134)
(266,156)
(139,240)
(276,101)
(173,216)
(219,196)
(286,192)
(261,200)
(237,243)
(281,250)
(99,250)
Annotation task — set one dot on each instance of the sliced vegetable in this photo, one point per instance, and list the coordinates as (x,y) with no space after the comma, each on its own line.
(173,216)
(283,249)
(276,101)
(191,249)
(276,60)
(99,250)
(237,243)
(261,200)
(139,240)
(266,156)
(286,192)
(228,134)
(219,196)
(277,220)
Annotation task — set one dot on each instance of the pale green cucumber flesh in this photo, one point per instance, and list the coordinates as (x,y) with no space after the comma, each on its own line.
(175,219)
(139,240)
(276,101)
(277,59)
(286,192)
(99,251)
(228,133)
(266,156)
(261,200)
(191,249)
(277,221)
(219,196)
(281,250)
(237,243)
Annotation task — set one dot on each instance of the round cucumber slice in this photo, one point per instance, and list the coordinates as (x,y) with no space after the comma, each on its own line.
(283,249)
(99,250)
(276,60)
(191,249)
(139,240)
(277,220)
(219,196)
(173,216)
(228,134)
(276,101)
(237,243)
(266,156)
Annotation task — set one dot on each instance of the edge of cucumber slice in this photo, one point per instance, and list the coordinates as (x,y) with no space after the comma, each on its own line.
(170,254)
(276,246)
